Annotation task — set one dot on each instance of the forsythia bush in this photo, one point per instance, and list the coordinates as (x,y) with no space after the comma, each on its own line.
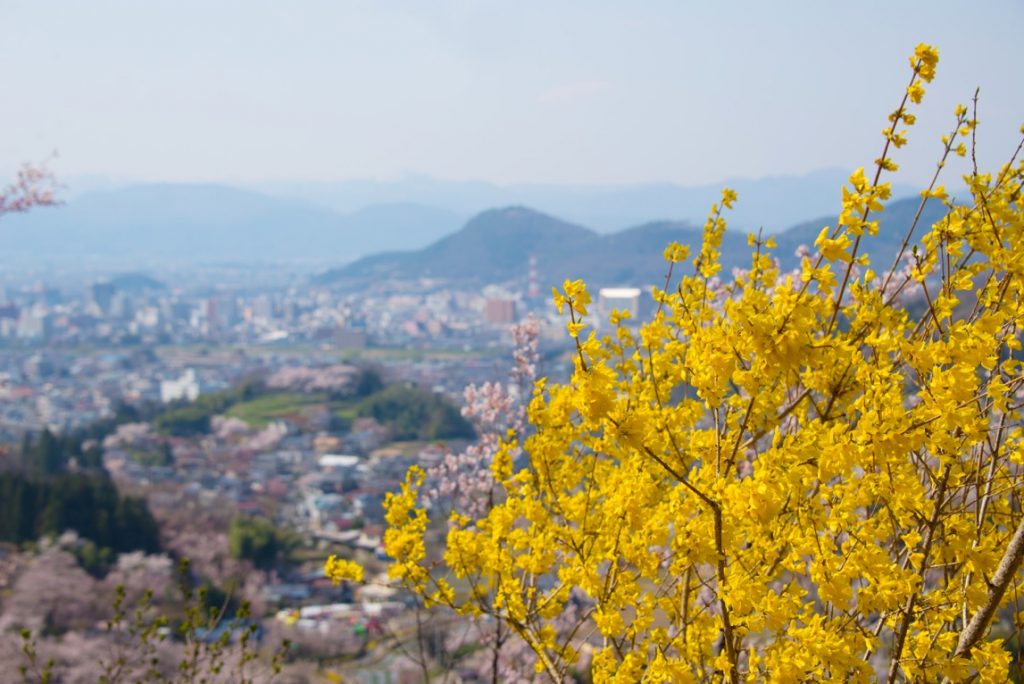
(783,478)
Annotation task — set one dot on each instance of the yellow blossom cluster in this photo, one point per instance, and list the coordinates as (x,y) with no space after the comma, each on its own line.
(340,570)
(813,476)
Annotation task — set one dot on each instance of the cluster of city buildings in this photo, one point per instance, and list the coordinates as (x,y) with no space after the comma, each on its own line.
(141,311)
(102,313)
(64,389)
(328,486)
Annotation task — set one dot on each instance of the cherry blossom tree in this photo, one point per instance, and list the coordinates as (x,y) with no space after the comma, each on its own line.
(34,186)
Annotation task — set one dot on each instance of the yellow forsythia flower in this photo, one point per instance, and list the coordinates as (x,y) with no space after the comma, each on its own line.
(340,570)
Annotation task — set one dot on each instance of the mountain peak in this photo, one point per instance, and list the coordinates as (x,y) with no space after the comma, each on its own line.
(496,246)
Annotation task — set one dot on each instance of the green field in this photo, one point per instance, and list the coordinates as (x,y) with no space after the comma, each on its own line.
(411,414)
(383,354)
(345,410)
(261,411)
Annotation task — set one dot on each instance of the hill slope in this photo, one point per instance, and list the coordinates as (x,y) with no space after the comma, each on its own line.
(496,246)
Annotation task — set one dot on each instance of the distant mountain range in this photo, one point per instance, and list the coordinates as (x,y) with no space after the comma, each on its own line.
(496,246)
(214,223)
(772,203)
(356,223)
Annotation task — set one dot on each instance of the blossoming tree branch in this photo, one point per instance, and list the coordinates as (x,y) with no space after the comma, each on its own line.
(34,186)
(786,477)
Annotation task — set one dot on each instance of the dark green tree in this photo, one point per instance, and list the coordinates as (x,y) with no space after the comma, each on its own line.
(257,540)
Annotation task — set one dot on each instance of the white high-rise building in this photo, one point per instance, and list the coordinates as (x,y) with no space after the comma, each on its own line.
(618,298)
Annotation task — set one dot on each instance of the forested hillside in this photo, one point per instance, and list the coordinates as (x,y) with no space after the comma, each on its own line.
(496,247)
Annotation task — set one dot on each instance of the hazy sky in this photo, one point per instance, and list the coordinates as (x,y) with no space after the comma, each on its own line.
(581,92)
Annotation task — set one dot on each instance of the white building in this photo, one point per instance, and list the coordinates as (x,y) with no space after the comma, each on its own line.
(618,298)
(341,461)
(185,387)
